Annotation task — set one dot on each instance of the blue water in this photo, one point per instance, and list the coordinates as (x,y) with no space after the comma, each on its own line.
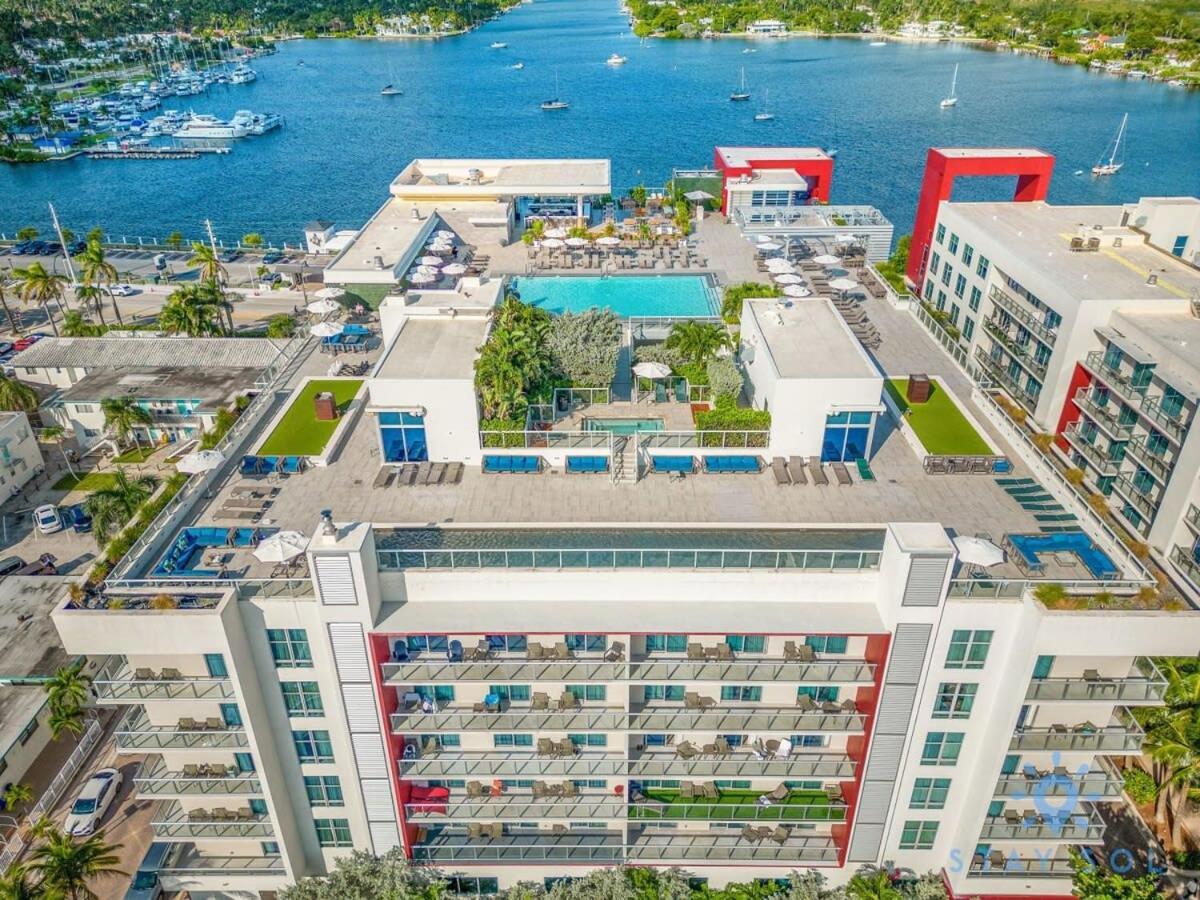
(343,142)
(1077,542)
(633,295)
(623,426)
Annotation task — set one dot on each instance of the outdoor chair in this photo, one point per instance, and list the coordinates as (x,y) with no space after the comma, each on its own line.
(540,701)
(780,835)
(569,789)
(779,794)
(171,675)
(750,833)
(245,814)
(708,750)
(849,706)
(545,747)
(494,830)
(474,830)
(616,652)
(475,789)
(833,793)
(779,467)
(707,703)
(841,473)
(430,747)
(568,700)
(805,703)
(566,747)
(540,789)
(770,747)
(687,791)
(796,470)
(709,791)
(724,652)
(818,474)
(143,674)
(561,651)
(691,700)
(188,725)
(685,750)
(212,723)
(535,651)
(790,651)
(191,771)
(695,651)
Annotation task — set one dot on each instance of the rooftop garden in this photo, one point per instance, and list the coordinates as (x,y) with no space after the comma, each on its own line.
(300,432)
(739,804)
(938,422)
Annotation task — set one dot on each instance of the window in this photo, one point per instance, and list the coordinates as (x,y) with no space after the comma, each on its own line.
(215,663)
(976,296)
(589,642)
(810,740)
(289,647)
(473,885)
(594,692)
(513,643)
(438,693)
(968,254)
(942,748)
(968,649)
(269,848)
(518,693)
(434,643)
(947,271)
(738,692)
(968,328)
(918,835)
(847,437)
(231,715)
(302,698)
(940,236)
(929,793)
(595,784)
(954,314)
(588,740)
(746,643)
(819,694)
(953,245)
(960,286)
(673,692)
(324,790)
(981,269)
(954,701)
(928,288)
(669,643)
(402,436)
(512,740)
(333,832)
(827,643)
(941,300)
(313,746)
(935,263)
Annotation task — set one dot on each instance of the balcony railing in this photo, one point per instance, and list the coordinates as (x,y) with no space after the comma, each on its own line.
(595,718)
(119,683)
(136,734)
(1016,867)
(1123,736)
(737,812)
(1103,416)
(1147,686)
(1094,455)
(162,782)
(665,845)
(1141,499)
(1174,426)
(1192,518)
(1000,374)
(191,863)
(491,671)
(176,823)
(746,718)
(1022,353)
(1085,827)
(1185,562)
(486,764)
(801,765)
(1100,782)
(749,669)
(1018,310)
(632,558)
(1158,466)
(520,806)
(453,846)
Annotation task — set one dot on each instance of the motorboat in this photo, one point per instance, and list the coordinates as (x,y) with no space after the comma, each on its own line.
(519,65)
(616,60)
(200,126)
(242,74)
(498,45)
(878,43)
(390,90)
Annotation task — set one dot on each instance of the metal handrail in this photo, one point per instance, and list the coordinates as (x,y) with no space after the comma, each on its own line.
(1102,416)
(1148,686)
(1102,463)
(1010,305)
(630,558)
(1020,353)
(117,682)
(746,439)
(542,440)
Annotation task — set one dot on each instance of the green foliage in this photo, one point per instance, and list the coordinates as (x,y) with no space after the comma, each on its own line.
(638,195)
(1140,786)
(515,360)
(67,865)
(731,299)
(725,378)
(1050,595)
(509,440)
(223,422)
(1089,882)
(698,342)
(281,326)
(872,884)
(175,240)
(194,310)
(75,325)
(252,239)
(28,233)
(113,506)
(15,395)
(66,693)
(659,352)
(728,416)
(387,877)
(893,268)
(584,346)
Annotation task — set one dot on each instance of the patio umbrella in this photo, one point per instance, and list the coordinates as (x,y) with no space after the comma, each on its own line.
(780,267)
(326,329)
(323,307)
(426,270)
(200,461)
(454,269)
(555,232)
(445,234)
(788,278)
(843,284)
(762,238)
(608,241)
(430,260)
(699,196)
(826,259)
(796,290)
(651,370)
(281,547)
(977,551)
(845,239)
(552,243)
(770,245)
(328,293)
(422,278)
(575,242)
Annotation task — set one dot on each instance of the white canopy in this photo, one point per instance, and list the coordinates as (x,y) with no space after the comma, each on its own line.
(788,278)
(328,293)
(770,245)
(326,329)
(422,278)
(575,242)
(445,234)
(778,265)
(200,461)
(552,243)
(978,551)
(796,290)
(454,269)
(846,239)
(426,270)
(555,232)
(698,196)
(651,370)
(430,260)
(608,241)
(826,259)
(323,307)
(281,547)
(843,284)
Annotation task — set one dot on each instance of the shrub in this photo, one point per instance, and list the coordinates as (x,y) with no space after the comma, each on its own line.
(281,326)
(1050,594)
(731,299)
(725,379)
(659,352)
(1075,476)
(728,416)
(503,440)
(1140,786)
(584,346)
(1042,441)
(163,601)
(694,373)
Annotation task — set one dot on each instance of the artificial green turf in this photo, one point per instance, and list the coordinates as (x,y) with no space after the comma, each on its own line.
(136,455)
(92,481)
(739,804)
(938,422)
(299,433)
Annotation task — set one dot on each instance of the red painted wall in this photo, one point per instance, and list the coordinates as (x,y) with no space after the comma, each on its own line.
(1080,378)
(1032,168)
(380,651)
(819,173)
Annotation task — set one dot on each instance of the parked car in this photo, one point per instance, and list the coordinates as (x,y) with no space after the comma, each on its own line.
(5,347)
(146,884)
(46,564)
(272,278)
(38,248)
(231,255)
(92,802)
(123,290)
(271,256)
(77,517)
(47,519)
(20,248)
(10,564)
(22,343)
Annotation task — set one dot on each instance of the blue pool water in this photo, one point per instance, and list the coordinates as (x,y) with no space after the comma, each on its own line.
(634,295)
(1077,542)
(623,426)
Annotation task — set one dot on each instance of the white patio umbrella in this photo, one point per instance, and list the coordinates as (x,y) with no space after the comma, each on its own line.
(426,270)
(796,290)
(651,370)
(281,547)
(826,259)
(323,307)
(788,278)
(555,232)
(200,461)
(328,293)
(778,265)
(770,245)
(978,551)
(445,234)
(326,329)
(845,239)
(430,260)
(608,241)
(575,242)
(552,243)
(422,278)
(843,284)
(699,196)
(454,269)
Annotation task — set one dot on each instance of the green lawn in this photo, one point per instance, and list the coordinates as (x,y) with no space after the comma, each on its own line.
(298,432)
(938,422)
(136,455)
(92,481)
(739,804)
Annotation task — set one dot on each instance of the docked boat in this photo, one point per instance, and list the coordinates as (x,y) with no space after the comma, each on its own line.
(498,45)
(1113,164)
(555,102)
(831,152)
(616,60)
(255,123)
(741,93)
(952,99)
(242,74)
(200,127)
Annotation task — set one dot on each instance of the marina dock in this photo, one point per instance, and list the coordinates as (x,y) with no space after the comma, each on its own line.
(154,153)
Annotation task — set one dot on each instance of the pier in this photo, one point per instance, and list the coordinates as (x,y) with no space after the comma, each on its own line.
(154,153)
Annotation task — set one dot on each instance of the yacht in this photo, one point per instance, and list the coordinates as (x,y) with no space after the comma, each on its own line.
(242,74)
(750,50)
(200,126)
(556,102)
(952,99)
(519,65)
(498,45)
(741,93)
(1113,165)
(616,60)
(255,123)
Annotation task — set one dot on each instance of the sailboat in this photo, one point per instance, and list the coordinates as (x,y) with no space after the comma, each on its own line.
(1113,166)
(951,100)
(764,115)
(741,93)
(555,102)
(390,89)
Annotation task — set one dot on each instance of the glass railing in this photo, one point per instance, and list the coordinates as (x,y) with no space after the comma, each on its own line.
(1021,313)
(190,862)
(120,683)
(1147,686)
(1022,353)
(1140,498)
(458,846)
(136,734)
(1086,827)
(217,822)
(742,719)
(496,442)
(1174,426)
(510,719)
(744,668)
(780,844)
(1103,416)
(669,811)
(1192,518)
(769,560)
(488,765)
(703,440)
(1100,781)
(1013,866)
(1159,466)
(1183,560)
(196,780)
(426,668)
(1093,454)
(1000,373)
(520,806)
(1124,735)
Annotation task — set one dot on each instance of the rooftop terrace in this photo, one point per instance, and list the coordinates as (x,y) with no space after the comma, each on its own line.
(439,177)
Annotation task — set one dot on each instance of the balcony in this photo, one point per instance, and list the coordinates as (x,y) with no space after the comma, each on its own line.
(171,822)
(1192,519)
(1093,454)
(499,764)
(1020,352)
(1083,827)
(510,718)
(750,669)
(725,719)
(517,669)
(801,765)
(1173,426)
(185,861)
(667,805)
(785,847)
(997,865)
(451,845)
(1100,782)
(135,734)
(519,806)
(196,780)
(117,682)
(1158,466)
(1000,374)
(1185,562)
(1145,685)
(1141,500)
(1123,735)
(1020,312)
(1103,416)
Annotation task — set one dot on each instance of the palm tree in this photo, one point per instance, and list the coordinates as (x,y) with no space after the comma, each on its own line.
(96,271)
(12,320)
(17,794)
(15,396)
(122,415)
(15,884)
(1173,746)
(67,865)
(698,341)
(193,310)
(205,259)
(68,688)
(36,285)
(56,434)
(872,884)
(112,507)
(66,721)
(75,325)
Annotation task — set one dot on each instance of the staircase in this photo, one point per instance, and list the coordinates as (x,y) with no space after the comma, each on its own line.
(622,383)
(624,460)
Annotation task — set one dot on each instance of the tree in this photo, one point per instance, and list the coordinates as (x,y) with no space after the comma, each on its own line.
(15,396)
(205,259)
(55,434)
(66,694)
(1140,42)
(67,864)
(637,194)
(98,272)
(16,795)
(122,416)
(91,299)
(16,884)
(112,507)
(1173,744)
(281,326)
(36,285)
(194,310)
(28,233)
(698,341)
(585,346)
(1089,882)
(175,240)
(252,239)
(872,884)
(387,877)
(12,319)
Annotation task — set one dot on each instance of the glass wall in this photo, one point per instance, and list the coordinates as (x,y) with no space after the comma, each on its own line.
(847,436)
(402,436)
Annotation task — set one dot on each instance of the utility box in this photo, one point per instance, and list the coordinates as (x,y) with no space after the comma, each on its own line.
(919,389)
(325,406)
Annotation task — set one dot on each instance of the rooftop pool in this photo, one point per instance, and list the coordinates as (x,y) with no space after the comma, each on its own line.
(1080,543)
(683,296)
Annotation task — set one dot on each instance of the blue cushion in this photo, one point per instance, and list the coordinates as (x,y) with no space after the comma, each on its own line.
(673,463)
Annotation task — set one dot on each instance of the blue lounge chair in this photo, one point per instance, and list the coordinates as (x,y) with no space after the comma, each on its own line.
(586,465)
(660,392)
(249,465)
(292,465)
(732,465)
(864,470)
(681,393)
(673,464)
(268,464)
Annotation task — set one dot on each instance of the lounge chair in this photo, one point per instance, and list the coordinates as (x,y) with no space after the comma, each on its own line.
(681,394)
(864,470)
(660,392)
(615,653)
(818,474)
(841,473)
(780,793)
(779,467)
(796,470)
(454,472)
(407,476)
(687,790)
(385,476)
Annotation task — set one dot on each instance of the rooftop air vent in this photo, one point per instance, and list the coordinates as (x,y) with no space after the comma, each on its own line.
(327,526)
(1152,278)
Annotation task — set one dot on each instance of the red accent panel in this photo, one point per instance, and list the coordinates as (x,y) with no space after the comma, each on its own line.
(1032,168)
(1080,378)
(818,171)
(379,651)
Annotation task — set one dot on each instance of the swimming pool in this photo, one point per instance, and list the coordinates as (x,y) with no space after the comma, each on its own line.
(686,296)
(623,426)
(1077,542)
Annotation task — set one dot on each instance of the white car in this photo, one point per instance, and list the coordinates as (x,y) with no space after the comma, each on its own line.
(47,519)
(93,802)
(122,290)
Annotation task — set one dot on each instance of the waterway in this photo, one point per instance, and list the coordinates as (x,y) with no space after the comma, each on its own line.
(668,106)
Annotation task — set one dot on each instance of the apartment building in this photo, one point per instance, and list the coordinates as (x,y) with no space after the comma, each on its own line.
(20,456)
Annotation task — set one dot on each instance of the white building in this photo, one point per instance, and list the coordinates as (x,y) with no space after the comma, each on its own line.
(20,456)
(767,27)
